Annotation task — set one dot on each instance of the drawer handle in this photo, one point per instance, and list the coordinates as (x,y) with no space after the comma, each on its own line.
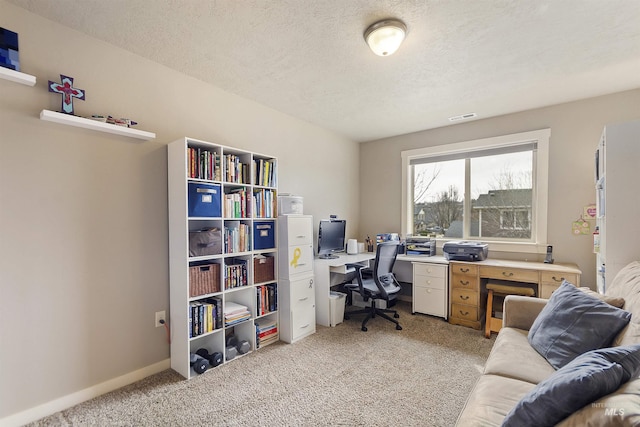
(504,273)
(311,283)
(428,291)
(464,297)
(464,283)
(464,270)
(303,299)
(305,326)
(301,236)
(300,264)
(556,279)
(464,313)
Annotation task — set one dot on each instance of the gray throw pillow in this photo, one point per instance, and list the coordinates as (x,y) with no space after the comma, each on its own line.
(586,379)
(573,323)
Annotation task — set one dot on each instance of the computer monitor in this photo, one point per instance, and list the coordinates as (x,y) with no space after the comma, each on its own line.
(331,237)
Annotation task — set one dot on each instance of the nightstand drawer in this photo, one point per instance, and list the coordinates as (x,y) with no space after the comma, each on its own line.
(465,312)
(513,274)
(464,296)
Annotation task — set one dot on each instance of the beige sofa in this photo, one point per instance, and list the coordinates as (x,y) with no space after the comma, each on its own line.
(514,367)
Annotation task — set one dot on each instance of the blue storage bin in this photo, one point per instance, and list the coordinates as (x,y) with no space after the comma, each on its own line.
(264,235)
(204,200)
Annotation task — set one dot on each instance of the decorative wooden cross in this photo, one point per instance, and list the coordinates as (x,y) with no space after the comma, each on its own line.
(67,91)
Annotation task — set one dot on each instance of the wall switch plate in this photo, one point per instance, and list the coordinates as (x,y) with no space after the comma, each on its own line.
(160,315)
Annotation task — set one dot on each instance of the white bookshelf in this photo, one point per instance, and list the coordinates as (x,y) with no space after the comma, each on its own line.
(180,175)
(81,122)
(17,76)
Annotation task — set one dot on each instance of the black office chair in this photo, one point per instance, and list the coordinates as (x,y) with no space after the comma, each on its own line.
(381,286)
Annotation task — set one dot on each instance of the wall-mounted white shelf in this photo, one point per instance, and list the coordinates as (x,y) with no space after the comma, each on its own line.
(17,76)
(81,122)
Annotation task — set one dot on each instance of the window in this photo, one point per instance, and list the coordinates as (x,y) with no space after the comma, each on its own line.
(493,190)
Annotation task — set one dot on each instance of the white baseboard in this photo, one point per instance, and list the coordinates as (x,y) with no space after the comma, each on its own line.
(73,399)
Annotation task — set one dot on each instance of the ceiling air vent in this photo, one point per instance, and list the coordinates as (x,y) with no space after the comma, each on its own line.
(462,117)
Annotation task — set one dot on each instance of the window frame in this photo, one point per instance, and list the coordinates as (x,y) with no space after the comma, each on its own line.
(538,242)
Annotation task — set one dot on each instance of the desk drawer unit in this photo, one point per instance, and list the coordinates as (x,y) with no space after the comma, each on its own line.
(511,274)
(299,305)
(430,289)
(296,279)
(551,280)
(465,295)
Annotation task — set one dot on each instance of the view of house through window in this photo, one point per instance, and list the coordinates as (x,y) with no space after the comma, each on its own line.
(497,186)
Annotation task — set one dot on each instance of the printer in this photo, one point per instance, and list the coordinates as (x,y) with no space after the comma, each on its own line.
(420,245)
(465,251)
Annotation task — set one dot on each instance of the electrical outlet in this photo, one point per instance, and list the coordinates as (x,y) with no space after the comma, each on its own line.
(160,315)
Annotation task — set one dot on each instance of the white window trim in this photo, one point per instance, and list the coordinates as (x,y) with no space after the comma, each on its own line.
(540,172)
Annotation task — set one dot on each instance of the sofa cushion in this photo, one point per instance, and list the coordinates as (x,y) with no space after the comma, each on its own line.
(626,284)
(587,378)
(491,399)
(573,323)
(614,301)
(508,353)
(620,408)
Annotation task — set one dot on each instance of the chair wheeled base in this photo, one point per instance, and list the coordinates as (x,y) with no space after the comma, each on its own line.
(373,311)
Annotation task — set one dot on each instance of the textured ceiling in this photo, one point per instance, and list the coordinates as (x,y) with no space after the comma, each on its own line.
(307,58)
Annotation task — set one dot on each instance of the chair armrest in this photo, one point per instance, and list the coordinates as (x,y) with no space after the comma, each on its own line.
(520,312)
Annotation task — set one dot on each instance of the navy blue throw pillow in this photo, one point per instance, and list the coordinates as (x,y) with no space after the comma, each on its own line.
(584,380)
(573,323)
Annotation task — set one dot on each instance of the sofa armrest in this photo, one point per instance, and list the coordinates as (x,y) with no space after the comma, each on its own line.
(520,312)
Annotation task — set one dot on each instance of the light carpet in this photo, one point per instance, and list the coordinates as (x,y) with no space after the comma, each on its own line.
(420,376)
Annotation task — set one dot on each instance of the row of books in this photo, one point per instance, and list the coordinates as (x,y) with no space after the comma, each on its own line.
(266,331)
(265,172)
(205,316)
(203,164)
(236,274)
(236,204)
(237,239)
(236,171)
(235,313)
(266,298)
(265,203)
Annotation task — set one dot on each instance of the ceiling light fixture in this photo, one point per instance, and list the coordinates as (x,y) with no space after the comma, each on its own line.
(385,37)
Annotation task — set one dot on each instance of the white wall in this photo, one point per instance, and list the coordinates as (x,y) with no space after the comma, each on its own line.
(83,214)
(575,131)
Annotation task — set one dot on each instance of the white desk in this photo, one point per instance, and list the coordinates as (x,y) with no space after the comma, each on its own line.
(323,269)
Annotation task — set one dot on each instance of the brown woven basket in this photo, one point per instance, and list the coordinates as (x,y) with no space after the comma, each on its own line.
(204,279)
(263,270)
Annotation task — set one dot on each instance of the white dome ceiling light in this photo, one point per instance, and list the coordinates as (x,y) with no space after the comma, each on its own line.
(385,37)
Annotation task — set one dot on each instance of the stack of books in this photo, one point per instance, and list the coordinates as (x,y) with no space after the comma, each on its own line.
(266,331)
(235,313)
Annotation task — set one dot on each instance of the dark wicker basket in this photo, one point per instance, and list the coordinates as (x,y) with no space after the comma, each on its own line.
(204,279)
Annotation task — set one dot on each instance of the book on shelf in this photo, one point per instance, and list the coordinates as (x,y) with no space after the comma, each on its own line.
(236,274)
(236,203)
(203,164)
(265,172)
(266,298)
(264,203)
(266,331)
(236,238)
